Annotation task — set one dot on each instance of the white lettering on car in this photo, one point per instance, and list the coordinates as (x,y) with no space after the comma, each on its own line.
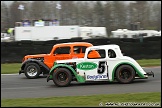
(96,77)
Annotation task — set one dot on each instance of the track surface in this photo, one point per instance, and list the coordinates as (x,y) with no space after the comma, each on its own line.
(18,86)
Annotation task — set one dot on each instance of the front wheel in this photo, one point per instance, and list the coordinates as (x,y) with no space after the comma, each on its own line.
(125,74)
(32,70)
(62,77)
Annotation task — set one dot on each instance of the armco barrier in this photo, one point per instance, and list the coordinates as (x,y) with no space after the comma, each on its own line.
(156,38)
(150,48)
(50,42)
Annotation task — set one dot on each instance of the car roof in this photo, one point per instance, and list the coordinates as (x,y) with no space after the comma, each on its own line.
(111,46)
(74,43)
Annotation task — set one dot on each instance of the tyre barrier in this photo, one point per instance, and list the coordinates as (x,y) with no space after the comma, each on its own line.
(155,38)
(127,40)
(15,51)
(77,39)
(38,43)
(51,42)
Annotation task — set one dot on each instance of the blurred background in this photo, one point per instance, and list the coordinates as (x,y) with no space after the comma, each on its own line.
(110,14)
(33,27)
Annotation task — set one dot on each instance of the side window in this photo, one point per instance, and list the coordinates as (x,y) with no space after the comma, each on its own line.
(79,49)
(96,54)
(111,53)
(62,50)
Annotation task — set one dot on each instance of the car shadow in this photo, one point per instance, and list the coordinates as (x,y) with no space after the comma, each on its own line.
(35,78)
(91,83)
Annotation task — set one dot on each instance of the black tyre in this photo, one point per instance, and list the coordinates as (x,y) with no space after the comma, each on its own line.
(125,74)
(32,70)
(62,77)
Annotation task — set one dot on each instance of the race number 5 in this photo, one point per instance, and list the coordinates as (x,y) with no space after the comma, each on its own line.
(101,67)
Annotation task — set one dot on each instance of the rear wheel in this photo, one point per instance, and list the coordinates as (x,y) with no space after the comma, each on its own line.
(32,70)
(62,77)
(125,74)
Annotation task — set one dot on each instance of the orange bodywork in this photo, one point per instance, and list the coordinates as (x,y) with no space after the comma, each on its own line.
(60,52)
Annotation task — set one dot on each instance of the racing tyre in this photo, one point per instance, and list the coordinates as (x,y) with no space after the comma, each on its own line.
(62,77)
(125,74)
(32,70)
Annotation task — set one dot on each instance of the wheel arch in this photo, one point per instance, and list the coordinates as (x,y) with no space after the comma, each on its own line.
(73,72)
(126,63)
(78,77)
(37,62)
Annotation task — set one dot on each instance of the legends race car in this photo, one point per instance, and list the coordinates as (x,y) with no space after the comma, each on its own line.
(34,65)
(106,64)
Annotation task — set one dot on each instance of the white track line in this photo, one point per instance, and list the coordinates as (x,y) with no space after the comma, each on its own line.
(10,74)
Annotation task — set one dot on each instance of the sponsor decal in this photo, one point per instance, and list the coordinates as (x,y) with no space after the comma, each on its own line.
(94,77)
(86,66)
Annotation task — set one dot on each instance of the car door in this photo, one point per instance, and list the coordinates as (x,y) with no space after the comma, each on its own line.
(78,51)
(62,53)
(94,68)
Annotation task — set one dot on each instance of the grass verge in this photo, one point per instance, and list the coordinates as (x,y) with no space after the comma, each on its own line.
(10,68)
(149,62)
(85,101)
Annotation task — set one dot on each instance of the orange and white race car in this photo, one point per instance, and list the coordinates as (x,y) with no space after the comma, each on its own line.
(108,65)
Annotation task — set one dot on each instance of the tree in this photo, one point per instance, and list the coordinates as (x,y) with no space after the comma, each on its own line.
(85,13)
(99,14)
(108,17)
(110,14)
(15,14)
(39,10)
(139,13)
(4,17)
(156,15)
(67,12)
(119,14)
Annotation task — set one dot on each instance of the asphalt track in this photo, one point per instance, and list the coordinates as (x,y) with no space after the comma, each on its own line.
(18,86)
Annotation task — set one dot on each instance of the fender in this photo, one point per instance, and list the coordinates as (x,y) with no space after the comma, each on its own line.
(78,77)
(126,63)
(36,61)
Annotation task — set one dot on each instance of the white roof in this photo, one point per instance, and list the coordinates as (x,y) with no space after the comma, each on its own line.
(111,46)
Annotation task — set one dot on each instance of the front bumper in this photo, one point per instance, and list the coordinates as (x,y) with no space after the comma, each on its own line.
(21,71)
(48,78)
(150,73)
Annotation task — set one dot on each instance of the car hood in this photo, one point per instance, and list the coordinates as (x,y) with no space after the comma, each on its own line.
(36,55)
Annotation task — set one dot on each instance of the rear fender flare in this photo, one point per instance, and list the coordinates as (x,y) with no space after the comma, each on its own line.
(78,77)
(141,75)
(62,65)
(36,61)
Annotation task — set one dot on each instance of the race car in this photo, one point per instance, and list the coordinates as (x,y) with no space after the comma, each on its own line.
(106,64)
(34,65)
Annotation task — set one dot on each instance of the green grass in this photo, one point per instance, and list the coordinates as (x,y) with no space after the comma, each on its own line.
(15,67)
(10,68)
(83,101)
(149,62)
